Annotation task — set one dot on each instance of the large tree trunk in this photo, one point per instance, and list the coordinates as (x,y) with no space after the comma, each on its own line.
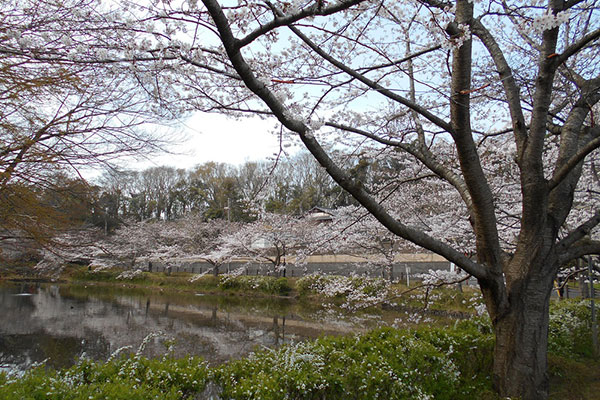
(520,354)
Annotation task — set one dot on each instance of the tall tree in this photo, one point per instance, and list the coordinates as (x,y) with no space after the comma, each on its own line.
(218,190)
(437,81)
(64,106)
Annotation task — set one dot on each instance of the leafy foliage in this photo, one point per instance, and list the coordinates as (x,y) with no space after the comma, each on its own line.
(385,364)
(570,329)
(134,378)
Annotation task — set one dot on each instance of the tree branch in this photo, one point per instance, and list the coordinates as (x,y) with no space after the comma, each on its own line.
(566,168)
(511,89)
(372,84)
(354,188)
(584,248)
(427,159)
(577,46)
(284,20)
(483,214)
(579,233)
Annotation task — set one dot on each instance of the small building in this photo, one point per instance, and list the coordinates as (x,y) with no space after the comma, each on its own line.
(320,215)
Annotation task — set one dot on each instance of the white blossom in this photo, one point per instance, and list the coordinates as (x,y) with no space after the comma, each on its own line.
(549,21)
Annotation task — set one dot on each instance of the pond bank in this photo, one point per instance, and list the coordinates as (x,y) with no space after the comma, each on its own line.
(397,364)
(458,303)
(569,360)
(60,322)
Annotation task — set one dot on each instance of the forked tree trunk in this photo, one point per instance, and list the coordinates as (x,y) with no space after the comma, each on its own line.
(520,355)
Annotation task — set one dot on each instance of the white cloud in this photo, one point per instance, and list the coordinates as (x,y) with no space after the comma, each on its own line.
(216,137)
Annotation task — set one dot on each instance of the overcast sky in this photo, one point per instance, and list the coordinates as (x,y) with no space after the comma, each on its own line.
(215,137)
(208,137)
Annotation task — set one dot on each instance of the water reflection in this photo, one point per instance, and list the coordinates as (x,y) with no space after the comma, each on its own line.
(62,323)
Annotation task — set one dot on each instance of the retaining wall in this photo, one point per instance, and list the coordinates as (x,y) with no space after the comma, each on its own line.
(323,265)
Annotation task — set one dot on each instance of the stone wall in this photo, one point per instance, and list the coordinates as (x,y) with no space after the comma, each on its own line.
(329,265)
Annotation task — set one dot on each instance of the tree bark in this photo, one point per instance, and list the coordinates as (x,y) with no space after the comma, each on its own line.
(520,353)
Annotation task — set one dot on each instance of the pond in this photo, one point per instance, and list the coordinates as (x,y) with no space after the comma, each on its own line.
(58,323)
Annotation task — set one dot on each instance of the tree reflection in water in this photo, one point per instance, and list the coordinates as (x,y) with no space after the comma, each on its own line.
(62,323)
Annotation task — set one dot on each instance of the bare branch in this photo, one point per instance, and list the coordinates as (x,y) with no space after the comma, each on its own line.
(372,84)
(284,20)
(577,46)
(577,158)
(579,233)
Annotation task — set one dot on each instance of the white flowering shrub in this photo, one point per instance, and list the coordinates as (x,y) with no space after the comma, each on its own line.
(355,291)
(384,364)
(136,378)
(98,267)
(352,287)
(130,275)
(257,283)
(570,328)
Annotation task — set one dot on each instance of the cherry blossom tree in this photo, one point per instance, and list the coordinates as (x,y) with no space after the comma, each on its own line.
(357,233)
(209,240)
(275,239)
(444,84)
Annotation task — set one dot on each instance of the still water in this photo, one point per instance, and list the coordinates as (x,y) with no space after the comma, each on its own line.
(58,324)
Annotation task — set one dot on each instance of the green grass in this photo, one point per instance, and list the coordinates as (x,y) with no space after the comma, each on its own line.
(574,379)
(181,281)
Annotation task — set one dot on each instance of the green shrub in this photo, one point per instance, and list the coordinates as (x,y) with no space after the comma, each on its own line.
(570,328)
(265,284)
(470,346)
(134,378)
(385,364)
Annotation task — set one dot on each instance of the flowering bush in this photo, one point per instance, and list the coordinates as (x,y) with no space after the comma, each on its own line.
(385,364)
(357,292)
(99,267)
(134,378)
(570,329)
(130,275)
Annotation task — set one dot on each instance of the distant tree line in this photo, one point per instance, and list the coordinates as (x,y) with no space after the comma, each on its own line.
(215,191)
(63,201)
